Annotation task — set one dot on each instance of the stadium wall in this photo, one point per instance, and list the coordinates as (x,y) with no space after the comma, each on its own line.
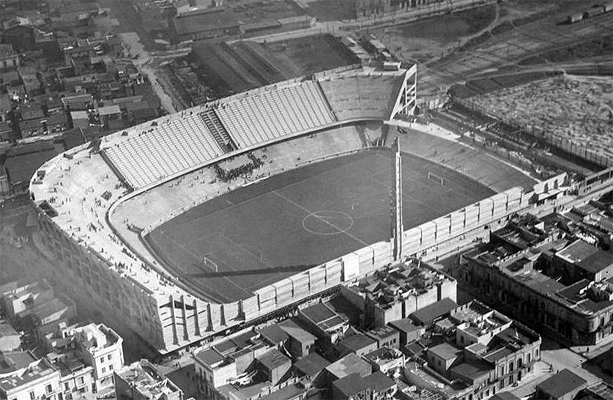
(426,240)
(111,288)
(174,318)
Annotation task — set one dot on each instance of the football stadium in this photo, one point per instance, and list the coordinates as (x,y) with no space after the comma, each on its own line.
(219,215)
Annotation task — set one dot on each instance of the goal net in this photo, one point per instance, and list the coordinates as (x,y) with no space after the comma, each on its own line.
(435,178)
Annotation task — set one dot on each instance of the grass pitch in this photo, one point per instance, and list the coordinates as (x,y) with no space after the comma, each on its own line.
(265,232)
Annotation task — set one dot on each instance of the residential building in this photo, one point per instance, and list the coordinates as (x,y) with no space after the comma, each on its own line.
(564,385)
(324,322)
(372,387)
(143,381)
(228,361)
(37,379)
(386,336)
(311,366)
(18,299)
(407,330)
(545,278)
(348,365)
(89,344)
(395,293)
(300,341)
(485,353)
(359,344)
(434,312)
(10,339)
(387,360)
(274,365)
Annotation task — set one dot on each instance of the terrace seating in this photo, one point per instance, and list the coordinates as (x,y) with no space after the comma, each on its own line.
(361,96)
(273,114)
(164,150)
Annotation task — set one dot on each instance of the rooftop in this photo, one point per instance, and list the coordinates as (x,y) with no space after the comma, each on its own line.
(145,378)
(274,334)
(311,364)
(35,371)
(209,357)
(12,361)
(274,359)
(577,251)
(472,371)
(350,364)
(318,313)
(436,310)
(383,354)
(504,396)
(354,383)
(405,325)
(446,351)
(382,332)
(562,383)
(95,336)
(296,332)
(7,329)
(597,261)
(357,342)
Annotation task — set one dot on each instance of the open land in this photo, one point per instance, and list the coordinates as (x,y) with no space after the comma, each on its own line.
(302,218)
(312,54)
(500,39)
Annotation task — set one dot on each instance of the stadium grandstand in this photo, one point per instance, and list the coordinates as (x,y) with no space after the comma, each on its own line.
(80,194)
(256,118)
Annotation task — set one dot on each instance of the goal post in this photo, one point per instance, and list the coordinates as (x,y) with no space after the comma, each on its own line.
(209,263)
(436,178)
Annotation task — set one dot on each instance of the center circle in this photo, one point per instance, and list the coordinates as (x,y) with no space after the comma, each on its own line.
(327,222)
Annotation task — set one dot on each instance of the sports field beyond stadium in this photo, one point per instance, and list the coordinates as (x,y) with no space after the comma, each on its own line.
(259,234)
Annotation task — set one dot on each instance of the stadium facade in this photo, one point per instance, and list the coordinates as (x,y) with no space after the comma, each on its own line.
(78,193)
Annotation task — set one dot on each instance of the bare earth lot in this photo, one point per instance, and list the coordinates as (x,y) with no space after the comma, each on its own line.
(268,231)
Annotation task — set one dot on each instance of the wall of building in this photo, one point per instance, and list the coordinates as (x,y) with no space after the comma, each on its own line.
(535,308)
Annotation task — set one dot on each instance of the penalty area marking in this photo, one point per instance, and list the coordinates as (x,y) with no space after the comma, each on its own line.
(338,220)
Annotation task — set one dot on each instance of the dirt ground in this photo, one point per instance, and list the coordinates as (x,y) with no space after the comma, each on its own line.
(464,45)
(312,54)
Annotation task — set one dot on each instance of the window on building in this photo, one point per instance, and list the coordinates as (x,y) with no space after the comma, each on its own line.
(103,370)
(101,360)
(32,397)
(48,389)
(81,380)
(511,366)
(66,386)
(109,357)
(110,367)
(501,370)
